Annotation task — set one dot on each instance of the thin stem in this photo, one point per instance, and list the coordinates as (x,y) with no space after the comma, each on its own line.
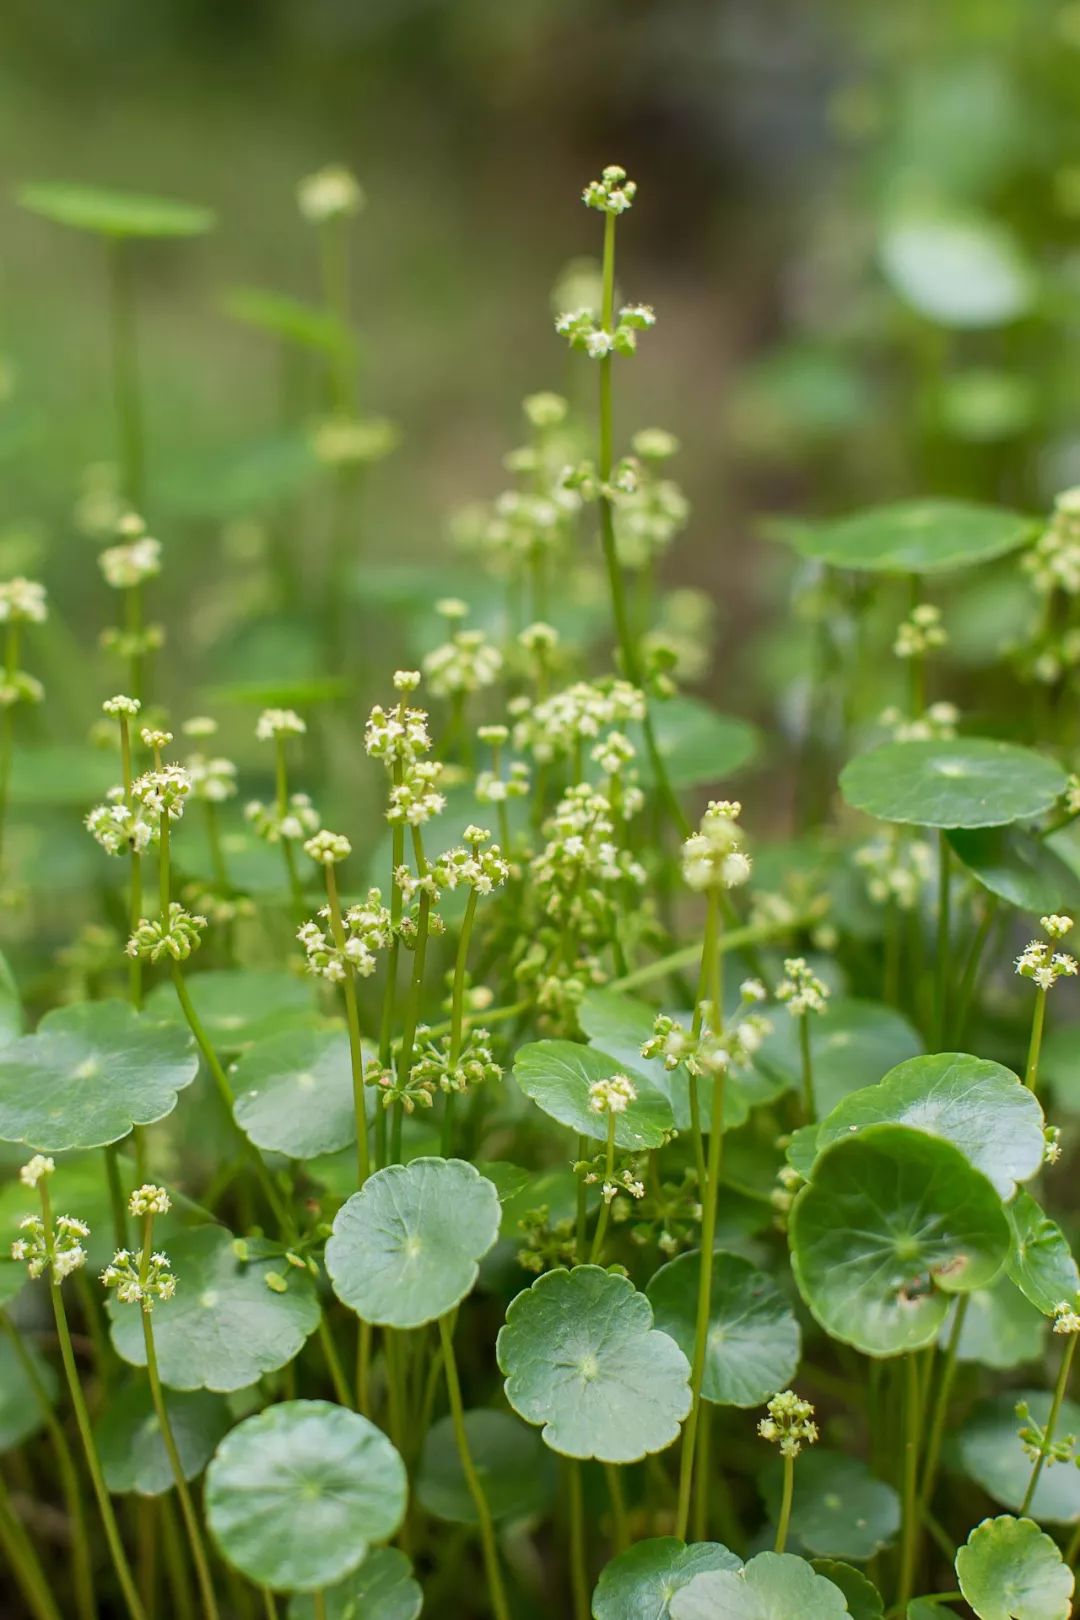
(352,1014)
(496,1590)
(619,1518)
(941,1401)
(579,1572)
(582,1204)
(82,1419)
(128,405)
(910,1520)
(605,1203)
(941,966)
(971,968)
(7,729)
(785,1505)
(269,1604)
(734,939)
(1051,1422)
(457,1015)
(23,1560)
(319,1604)
(807,1067)
(1038,1019)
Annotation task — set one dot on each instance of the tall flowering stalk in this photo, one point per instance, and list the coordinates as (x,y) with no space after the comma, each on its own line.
(22,601)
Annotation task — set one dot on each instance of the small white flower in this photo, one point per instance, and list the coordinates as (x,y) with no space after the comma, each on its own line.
(274,723)
(34,1169)
(332,192)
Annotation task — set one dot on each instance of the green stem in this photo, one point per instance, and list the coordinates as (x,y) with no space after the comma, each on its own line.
(23,1560)
(619,1518)
(807,1067)
(496,1590)
(217,851)
(579,1573)
(319,1604)
(734,939)
(1051,1422)
(941,1401)
(457,1013)
(135,973)
(605,1203)
(941,966)
(333,1365)
(582,1205)
(910,1520)
(129,428)
(352,1014)
(1038,1018)
(785,1505)
(7,731)
(971,968)
(82,1419)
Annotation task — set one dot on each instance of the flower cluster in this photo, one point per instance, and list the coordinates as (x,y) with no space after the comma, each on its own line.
(132,563)
(492,787)
(162,792)
(920,633)
(275,723)
(713,857)
(328,848)
(416,798)
(1038,1442)
(713,1051)
(562,723)
(22,601)
(330,193)
(613,1095)
(367,930)
(120,828)
(149,1200)
(801,989)
(896,870)
(1053,563)
(125,1273)
(474,1066)
(1066,1317)
(790,1423)
(68,1251)
(939,721)
(1039,962)
(212,777)
(613,193)
(466,663)
(582,330)
(300,820)
(176,939)
(472,865)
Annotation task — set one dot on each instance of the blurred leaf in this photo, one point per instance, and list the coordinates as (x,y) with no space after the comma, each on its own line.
(113,213)
(963,782)
(963,272)
(1018,867)
(910,537)
(515,1468)
(288,318)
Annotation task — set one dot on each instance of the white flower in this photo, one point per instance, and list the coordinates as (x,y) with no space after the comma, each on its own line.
(328,848)
(127,566)
(332,192)
(801,988)
(149,1200)
(34,1169)
(121,705)
(274,723)
(22,600)
(612,1096)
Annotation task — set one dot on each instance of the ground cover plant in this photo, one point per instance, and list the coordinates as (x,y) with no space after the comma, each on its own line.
(540,1193)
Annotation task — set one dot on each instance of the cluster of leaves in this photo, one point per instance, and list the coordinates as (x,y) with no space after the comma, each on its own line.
(478,1210)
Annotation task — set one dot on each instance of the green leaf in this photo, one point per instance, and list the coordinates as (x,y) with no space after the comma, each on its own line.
(1040,1261)
(290,319)
(557,1076)
(772,1586)
(382,1588)
(60,775)
(11,1013)
(21,1415)
(406,1248)
(850,1040)
(927,1609)
(913,537)
(581,1357)
(892,1223)
(696,744)
(129,1443)
(989,1451)
(978,1106)
(959,271)
(863,1598)
(1009,1570)
(517,1473)
(239,1006)
(113,213)
(754,1343)
(1018,867)
(966,782)
(840,1510)
(641,1582)
(294,1093)
(296,1494)
(224,1327)
(89,1074)
(1000,1328)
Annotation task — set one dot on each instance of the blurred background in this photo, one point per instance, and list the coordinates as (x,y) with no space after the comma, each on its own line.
(857,222)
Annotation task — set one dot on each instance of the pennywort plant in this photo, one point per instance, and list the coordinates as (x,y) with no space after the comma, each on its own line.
(547,1184)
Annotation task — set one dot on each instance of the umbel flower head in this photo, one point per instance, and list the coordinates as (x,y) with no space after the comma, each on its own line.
(613,193)
(22,601)
(790,1423)
(921,632)
(1040,962)
(367,930)
(801,989)
(612,1096)
(327,848)
(332,192)
(713,857)
(137,559)
(149,1200)
(300,819)
(176,939)
(120,828)
(68,1253)
(162,792)
(133,1287)
(274,723)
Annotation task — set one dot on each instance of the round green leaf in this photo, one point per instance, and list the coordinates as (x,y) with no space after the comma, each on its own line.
(1018,867)
(406,1248)
(863,1598)
(1000,1328)
(696,744)
(289,319)
(913,537)
(382,1588)
(21,1414)
(582,1358)
(892,1223)
(851,1039)
(225,1326)
(239,1006)
(114,213)
(958,271)
(1040,1261)
(557,1076)
(840,1510)
(979,1106)
(132,1452)
(989,1451)
(296,1494)
(642,1581)
(966,782)
(754,1342)
(517,1473)
(89,1074)
(294,1093)
(772,1586)
(1009,1570)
